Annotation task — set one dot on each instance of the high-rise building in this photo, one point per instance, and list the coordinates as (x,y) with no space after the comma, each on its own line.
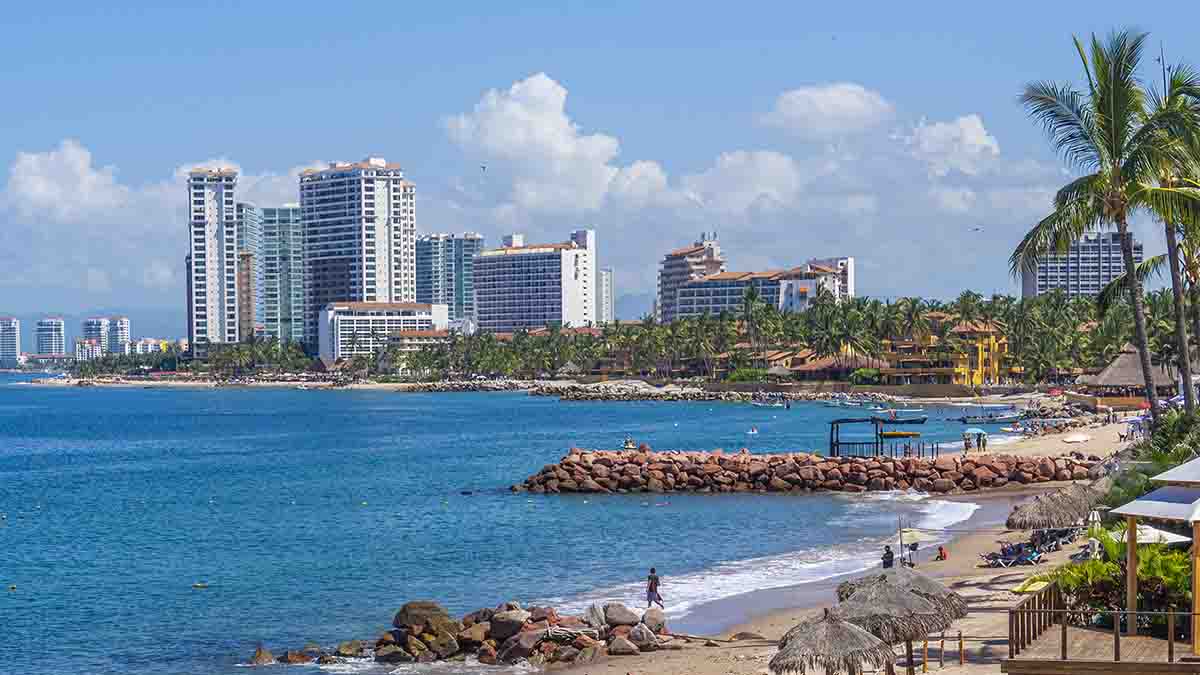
(446,272)
(213,260)
(844,266)
(786,290)
(1084,270)
(364,328)
(530,286)
(96,328)
(51,336)
(604,303)
(360,234)
(118,335)
(88,349)
(10,342)
(680,266)
(283,272)
(250,279)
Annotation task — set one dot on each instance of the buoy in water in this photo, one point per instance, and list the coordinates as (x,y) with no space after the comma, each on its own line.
(12,588)
(200,585)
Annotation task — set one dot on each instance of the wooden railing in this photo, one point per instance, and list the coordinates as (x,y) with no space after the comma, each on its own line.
(1032,616)
(1027,621)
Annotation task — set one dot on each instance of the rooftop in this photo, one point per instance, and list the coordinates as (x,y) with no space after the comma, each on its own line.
(530,248)
(378,306)
(368,163)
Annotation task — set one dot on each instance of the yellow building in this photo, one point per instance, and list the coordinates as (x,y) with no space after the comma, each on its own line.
(977,359)
(982,354)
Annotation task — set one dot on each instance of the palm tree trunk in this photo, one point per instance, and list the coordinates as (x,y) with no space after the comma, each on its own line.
(1139,317)
(1181,338)
(1194,297)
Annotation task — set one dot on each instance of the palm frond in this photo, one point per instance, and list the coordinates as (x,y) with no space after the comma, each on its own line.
(1117,289)
(1055,232)
(1066,118)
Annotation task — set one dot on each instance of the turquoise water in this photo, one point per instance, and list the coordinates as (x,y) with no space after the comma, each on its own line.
(314,515)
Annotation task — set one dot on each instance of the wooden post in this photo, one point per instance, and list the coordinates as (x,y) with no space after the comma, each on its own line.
(908,653)
(1131,563)
(1195,588)
(942,651)
(1064,639)
(925,656)
(962,654)
(1171,635)
(1012,638)
(1116,636)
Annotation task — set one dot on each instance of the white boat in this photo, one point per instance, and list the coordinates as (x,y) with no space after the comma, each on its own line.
(302,387)
(767,404)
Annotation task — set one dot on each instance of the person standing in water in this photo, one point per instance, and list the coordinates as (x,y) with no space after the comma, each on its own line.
(652,594)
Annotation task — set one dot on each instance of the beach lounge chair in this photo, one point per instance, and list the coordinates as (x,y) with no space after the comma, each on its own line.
(1028,558)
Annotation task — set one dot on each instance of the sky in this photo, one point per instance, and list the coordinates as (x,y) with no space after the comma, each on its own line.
(890,132)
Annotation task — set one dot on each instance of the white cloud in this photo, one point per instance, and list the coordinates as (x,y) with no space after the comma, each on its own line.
(952,199)
(961,145)
(62,184)
(742,180)
(830,110)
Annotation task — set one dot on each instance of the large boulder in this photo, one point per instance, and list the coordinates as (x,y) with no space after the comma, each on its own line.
(425,614)
(616,614)
(443,644)
(391,653)
(474,635)
(622,647)
(486,654)
(262,656)
(349,649)
(655,619)
(294,658)
(520,646)
(643,638)
(507,624)
(547,614)
(942,485)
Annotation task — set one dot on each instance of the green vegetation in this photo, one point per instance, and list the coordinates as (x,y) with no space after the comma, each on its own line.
(747,375)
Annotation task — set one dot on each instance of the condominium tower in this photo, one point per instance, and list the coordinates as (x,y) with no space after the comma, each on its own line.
(10,342)
(51,336)
(844,267)
(250,275)
(446,272)
(118,335)
(96,329)
(213,260)
(604,303)
(680,266)
(283,272)
(1084,270)
(360,233)
(520,286)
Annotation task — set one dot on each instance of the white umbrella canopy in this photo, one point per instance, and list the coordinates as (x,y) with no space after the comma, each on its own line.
(1152,535)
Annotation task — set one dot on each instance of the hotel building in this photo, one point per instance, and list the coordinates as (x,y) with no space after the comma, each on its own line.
(1084,270)
(845,269)
(360,233)
(88,349)
(213,260)
(446,272)
(349,329)
(96,328)
(149,346)
(604,305)
(250,279)
(701,259)
(519,286)
(51,336)
(118,335)
(786,290)
(10,342)
(283,272)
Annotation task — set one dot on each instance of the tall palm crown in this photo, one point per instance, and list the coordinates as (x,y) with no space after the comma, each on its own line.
(1107,132)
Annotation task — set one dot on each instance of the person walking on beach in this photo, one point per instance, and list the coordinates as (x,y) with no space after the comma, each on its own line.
(652,594)
(889,558)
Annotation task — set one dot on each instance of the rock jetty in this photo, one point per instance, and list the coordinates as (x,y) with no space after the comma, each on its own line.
(643,470)
(637,390)
(453,386)
(424,632)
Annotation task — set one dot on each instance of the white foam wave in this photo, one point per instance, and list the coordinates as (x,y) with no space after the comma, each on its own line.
(467,667)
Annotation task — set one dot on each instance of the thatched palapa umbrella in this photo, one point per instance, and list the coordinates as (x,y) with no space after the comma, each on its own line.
(894,615)
(950,604)
(831,644)
(1061,508)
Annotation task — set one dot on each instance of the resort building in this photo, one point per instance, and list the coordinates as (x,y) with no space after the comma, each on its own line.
(845,270)
(212,260)
(88,349)
(360,234)
(1084,270)
(701,259)
(250,276)
(786,290)
(10,342)
(363,328)
(520,286)
(149,346)
(96,328)
(974,353)
(118,335)
(446,272)
(604,304)
(283,272)
(51,336)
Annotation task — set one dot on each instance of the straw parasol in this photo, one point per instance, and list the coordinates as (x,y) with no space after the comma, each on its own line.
(947,601)
(894,615)
(1061,508)
(830,644)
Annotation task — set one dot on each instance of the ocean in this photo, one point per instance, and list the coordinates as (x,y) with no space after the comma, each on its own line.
(313,515)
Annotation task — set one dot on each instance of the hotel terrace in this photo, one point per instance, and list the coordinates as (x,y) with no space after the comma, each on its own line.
(978,358)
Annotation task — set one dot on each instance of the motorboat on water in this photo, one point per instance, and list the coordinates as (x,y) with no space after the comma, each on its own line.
(629,444)
(768,404)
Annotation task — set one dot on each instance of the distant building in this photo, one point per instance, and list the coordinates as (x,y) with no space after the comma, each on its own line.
(352,328)
(149,346)
(446,272)
(786,290)
(283,272)
(51,336)
(520,286)
(212,261)
(680,266)
(845,269)
(96,329)
(118,335)
(360,233)
(88,349)
(251,281)
(1083,271)
(604,290)
(10,342)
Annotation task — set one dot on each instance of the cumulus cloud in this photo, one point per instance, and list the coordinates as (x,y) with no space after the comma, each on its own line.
(62,184)
(826,111)
(960,145)
(952,199)
(742,180)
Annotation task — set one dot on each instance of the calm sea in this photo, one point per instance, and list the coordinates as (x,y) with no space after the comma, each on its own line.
(314,515)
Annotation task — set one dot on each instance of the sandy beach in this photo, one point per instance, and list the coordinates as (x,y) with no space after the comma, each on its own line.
(984,630)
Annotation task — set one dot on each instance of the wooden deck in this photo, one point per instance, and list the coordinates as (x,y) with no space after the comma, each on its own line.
(1096,644)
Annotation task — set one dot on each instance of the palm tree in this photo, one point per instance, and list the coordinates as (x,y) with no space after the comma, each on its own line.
(1108,132)
(750,309)
(914,319)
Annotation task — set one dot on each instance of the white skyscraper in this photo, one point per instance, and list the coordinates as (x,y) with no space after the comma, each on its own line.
(844,266)
(96,329)
(533,285)
(360,235)
(604,288)
(51,336)
(10,341)
(1088,265)
(213,261)
(118,335)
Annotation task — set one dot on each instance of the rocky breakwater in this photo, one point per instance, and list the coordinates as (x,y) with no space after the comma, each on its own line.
(424,632)
(634,391)
(643,470)
(451,386)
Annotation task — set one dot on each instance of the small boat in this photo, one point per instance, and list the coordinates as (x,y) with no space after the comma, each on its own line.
(902,420)
(753,431)
(990,419)
(899,434)
(302,387)
(629,444)
(200,585)
(910,410)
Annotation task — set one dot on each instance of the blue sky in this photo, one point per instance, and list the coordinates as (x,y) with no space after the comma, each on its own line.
(796,130)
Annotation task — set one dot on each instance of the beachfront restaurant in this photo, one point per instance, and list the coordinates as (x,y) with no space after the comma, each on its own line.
(1041,641)
(1121,386)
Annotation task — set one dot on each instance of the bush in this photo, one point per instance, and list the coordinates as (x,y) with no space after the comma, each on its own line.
(747,375)
(865,376)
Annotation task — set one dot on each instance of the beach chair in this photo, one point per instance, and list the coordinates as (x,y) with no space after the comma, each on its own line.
(1028,558)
